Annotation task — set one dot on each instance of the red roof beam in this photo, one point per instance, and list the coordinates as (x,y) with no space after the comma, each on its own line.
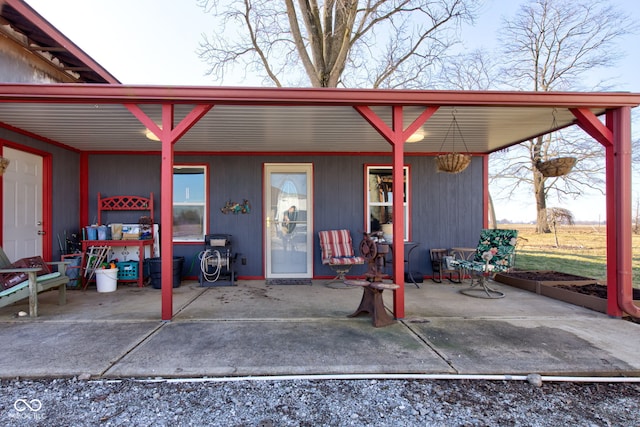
(82,93)
(593,126)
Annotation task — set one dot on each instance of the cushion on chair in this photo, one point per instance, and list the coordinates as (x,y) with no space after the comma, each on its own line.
(9,280)
(501,244)
(345,260)
(24,284)
(13,289)
(337,248)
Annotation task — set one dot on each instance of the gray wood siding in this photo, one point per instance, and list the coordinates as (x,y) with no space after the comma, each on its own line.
(123,175)
(446,209)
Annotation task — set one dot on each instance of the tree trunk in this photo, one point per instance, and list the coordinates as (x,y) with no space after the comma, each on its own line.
(542,225)
(539,190)
(492,213)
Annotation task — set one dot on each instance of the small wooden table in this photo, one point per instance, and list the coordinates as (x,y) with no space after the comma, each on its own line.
(372,303)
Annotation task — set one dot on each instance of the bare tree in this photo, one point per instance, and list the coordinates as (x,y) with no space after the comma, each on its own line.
(557,45)
(351,43)
(636,217)
(635,153)
(474,70)
(557,217)
(514,171)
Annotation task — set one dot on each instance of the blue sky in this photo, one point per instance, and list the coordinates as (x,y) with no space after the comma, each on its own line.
(154,42)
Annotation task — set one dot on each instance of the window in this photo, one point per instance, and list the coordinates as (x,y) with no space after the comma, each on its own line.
(379,211)
(189,203)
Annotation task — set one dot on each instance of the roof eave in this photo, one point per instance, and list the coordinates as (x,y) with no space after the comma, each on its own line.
(116,93)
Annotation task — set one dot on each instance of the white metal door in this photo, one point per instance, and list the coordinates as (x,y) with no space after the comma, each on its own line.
(22,201)
(289,220)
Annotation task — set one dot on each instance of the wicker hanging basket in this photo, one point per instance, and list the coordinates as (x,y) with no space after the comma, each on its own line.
(556,167)
(4,162)
(453,162)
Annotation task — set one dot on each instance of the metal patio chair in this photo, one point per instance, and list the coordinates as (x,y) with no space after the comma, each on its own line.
(495,253)
(338,253)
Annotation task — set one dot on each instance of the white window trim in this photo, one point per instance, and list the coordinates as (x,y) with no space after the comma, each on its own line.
(205,216)
(369,203)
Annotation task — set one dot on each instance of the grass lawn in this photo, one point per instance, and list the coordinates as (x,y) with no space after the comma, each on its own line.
(581,251)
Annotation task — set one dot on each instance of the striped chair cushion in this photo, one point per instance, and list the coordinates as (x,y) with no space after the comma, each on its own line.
(344,261)
(337,248)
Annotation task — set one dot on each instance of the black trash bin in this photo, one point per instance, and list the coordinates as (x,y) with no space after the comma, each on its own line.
(154,269)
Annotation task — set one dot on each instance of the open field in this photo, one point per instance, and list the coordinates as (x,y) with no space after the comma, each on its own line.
(581,251)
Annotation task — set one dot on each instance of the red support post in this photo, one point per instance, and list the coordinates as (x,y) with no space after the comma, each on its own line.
(166,212)
(485,192)
(168,135)
(604,134)
(84,189)
(612,250)
(622,172)
(396,136)
(397,142)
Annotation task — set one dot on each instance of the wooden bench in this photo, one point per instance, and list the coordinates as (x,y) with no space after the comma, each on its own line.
(34,284)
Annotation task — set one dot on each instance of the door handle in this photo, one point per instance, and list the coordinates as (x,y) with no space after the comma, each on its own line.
(268,222)
(41,232)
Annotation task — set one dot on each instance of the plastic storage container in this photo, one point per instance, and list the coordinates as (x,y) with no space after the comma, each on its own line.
(92,233)
(155,271)
(127,270)
(106,279)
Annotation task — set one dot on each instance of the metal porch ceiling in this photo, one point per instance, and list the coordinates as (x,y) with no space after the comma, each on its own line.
(281,128)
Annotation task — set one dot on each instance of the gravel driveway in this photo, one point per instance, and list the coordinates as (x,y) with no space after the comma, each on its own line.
(318,403)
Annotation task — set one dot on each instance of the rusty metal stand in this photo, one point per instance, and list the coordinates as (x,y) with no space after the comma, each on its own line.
(372,288)
(372,303)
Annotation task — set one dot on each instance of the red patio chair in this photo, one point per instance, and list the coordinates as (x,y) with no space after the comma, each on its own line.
(338,253)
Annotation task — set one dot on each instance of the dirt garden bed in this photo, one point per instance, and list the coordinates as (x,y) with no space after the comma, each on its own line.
(533,280)
(596,290)
(578,290)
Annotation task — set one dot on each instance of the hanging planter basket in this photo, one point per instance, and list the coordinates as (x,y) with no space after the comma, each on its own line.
(453,162)
(4,162)
(556,167)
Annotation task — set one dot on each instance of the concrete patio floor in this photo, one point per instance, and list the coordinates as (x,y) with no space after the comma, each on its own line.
(254,329)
